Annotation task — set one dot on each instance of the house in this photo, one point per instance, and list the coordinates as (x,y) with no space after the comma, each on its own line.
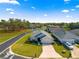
(75,31)
(41,37)
(64,36)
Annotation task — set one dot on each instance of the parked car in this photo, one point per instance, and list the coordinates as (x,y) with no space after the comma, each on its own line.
(68,45)
(77,41)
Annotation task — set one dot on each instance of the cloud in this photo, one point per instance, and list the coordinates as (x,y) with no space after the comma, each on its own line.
(45,15)
(72,9)
(33,7)
(11,12)
(65,11)
(68,16)
(67,0)
(9,9)
(10,1)
(77,6)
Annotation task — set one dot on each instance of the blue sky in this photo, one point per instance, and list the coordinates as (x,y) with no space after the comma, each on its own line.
(41,10)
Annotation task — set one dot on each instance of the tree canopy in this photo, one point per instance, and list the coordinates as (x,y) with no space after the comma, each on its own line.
(14,24)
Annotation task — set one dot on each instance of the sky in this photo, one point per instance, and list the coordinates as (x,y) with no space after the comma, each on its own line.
(42,11)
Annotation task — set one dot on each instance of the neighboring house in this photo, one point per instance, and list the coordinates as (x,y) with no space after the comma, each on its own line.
(64,36)
(41,37)
(70,37)
(75,31)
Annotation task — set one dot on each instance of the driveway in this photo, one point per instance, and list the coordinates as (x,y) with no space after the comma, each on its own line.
(49,52)
(75,52)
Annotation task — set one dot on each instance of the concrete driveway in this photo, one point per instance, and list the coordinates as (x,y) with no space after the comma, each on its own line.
(49,52)
(75,52)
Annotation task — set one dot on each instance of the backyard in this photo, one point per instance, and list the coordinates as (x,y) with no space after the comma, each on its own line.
(25,48)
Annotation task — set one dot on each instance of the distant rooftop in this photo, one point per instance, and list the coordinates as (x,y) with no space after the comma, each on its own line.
(58,31)
(75,31)
(63,35)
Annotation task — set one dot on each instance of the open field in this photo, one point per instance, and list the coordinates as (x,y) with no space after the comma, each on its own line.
(25,48)
(61,50)
(7,35)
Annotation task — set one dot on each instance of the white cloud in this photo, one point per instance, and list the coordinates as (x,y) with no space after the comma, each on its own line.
(9,9)
(77,6)
(45,15)
(65,11)
(72,9)
(9,1)
(11,12)
(69,16)
(33,7)
(67,0)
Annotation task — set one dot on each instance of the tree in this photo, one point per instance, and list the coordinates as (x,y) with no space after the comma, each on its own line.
(14,24)
(4,24)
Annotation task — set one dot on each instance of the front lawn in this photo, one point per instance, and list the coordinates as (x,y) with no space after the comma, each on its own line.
(59,48)
(77,45)
(23,47)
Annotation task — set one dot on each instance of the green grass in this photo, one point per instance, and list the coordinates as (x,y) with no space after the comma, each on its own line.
(77,45)
(59,49)
(7,35)
(24,48)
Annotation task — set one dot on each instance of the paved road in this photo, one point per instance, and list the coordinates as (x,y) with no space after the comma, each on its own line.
(18,57)
(10,42)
